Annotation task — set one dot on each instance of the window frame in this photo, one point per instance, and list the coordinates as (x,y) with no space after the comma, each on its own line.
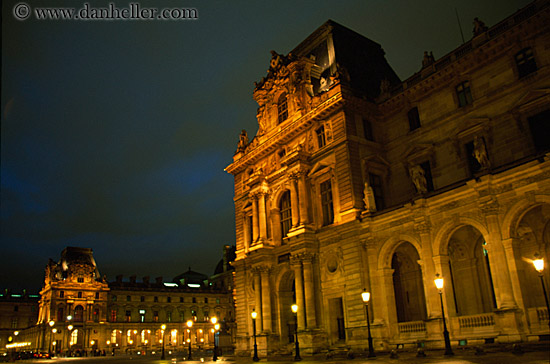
(463,92)
(327,202)
(282,108)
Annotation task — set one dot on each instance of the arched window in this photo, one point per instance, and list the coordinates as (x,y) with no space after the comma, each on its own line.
(74,337)
(286,213)
(78,314)
(282,108)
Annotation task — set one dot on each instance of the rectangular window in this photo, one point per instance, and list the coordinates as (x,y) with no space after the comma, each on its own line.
(205,299)
(539,125)
(464,94)
(326,202)
(156,316)
(128,316)
(375,182)
(321,139)
(169,316)
(367,130)
(128,298)
(113,298)
(97,295)
(61,294)
(80,280)
(525,62)
(16,308)
(142,299)
(168,299)
(79,295)
(428,174)
(181,299)
(414,119)
(156,299)
(60,317)
(113,315)
(217,300)
(194,300)
(286,213)
(282,108)
(14,323)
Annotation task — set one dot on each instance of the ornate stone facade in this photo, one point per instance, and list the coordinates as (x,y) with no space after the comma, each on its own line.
(79,311)
(356,180)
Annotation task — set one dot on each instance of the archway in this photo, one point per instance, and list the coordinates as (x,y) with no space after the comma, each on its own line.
(410,300)
(470,272)
(533,233)
(286,298)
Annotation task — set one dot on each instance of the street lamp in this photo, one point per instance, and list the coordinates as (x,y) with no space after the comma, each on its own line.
(254,314)
(439,284)
(539,267)
(51,323)
(162,328)
(366,298)
(214,320)
(189,325)
(294,308)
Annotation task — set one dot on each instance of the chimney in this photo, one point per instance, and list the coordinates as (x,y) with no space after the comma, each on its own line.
(119,278)
(146,280)
(133,279)
(159,281)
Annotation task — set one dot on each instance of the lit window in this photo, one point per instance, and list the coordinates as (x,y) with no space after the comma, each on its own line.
(128,316)
(525,62)
(282,108)
(464,94)
(74,337)
(113,315)
(326,203)
(286,213)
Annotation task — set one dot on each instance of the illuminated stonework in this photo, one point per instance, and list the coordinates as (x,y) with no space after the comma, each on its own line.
(356,180)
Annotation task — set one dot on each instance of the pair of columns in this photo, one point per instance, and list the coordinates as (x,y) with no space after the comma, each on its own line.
(262,297)
(305,293)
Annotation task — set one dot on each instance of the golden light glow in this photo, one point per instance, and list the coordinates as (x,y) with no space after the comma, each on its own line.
(294,308)
(188,340)
(214,320)
(108,342)
(51,323)
(200,330)
(189,323)
(163,327)
(202,340)
(217,327)
(70,327)
(54,330)
(539,264)
(438,281)
(17,345)
(92,342)
(365,296)
(16,333)
(69,318)
(254,314)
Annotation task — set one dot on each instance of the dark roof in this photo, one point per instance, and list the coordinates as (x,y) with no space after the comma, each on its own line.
(190,277)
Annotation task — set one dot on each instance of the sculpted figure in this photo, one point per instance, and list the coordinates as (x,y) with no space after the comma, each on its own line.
(368,199)
(480,153)
(243,141)
(418,178)
(479,27)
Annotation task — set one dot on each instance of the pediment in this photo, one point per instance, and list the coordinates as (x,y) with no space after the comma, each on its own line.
(322,166)
(531,98)
(418,151)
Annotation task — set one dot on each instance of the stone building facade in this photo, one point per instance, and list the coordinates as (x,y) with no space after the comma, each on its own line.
(18,311)
(357,181)
(79,311)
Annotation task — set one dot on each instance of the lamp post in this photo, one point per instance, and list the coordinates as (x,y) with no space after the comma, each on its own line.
(162,328)
(539,267)
(254,314)
(69,339)
(439,284)
(189,325)
(214,320)
(51,323)
(294,308)
(366,298)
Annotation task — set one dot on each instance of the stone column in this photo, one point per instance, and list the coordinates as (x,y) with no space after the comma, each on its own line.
(497,258)
(441,263)
(266,300)
(258,299)
(303,198)
(246,233)
(386,277)
(299,286)
(309,291)
(511,249)
(255,222)
(433,307)
(294,203)
(262,217)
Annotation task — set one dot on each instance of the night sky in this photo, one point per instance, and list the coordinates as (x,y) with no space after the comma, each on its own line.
(115,134)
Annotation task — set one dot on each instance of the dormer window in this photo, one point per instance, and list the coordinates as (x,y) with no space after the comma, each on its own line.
(282,108)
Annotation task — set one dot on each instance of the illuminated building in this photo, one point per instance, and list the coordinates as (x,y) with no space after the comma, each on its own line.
(80,311)
(356,180)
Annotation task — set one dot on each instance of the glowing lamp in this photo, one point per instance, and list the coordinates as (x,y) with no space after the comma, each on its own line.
(294,308)
(365,296)
(51,323)
(438,281)
(539,264)
(189,323)
(254,314)
(214,320)
(163,327)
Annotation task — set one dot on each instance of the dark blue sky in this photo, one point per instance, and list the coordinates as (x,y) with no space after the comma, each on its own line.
(115,134)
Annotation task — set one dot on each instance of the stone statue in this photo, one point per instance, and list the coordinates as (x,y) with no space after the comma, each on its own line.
(428,59)
(418,177)
(243,141)
(480,153)
(479,27)
(368,199)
